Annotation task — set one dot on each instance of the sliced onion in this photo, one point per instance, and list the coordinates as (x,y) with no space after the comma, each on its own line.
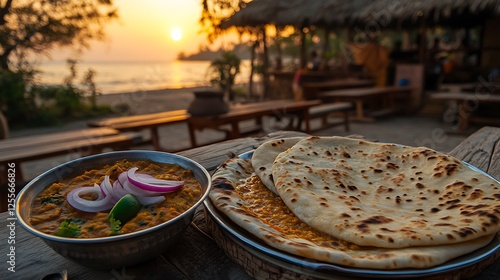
(122,177)
(108,190)
(130,188)
(101,204)
(145,187)
(166,186)
(118,190)
(146,178)
(144,197)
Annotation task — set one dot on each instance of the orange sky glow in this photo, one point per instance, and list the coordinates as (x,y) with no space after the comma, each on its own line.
(143,32)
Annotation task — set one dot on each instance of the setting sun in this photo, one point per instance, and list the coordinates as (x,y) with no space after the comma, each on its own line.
(176,34)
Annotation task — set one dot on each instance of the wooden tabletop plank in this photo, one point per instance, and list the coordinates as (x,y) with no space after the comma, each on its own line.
(361,92)
(125,126)
(85,146)
(135,118)
(482,149)
(259,109)
(52,138)
(482,97)
(341,83)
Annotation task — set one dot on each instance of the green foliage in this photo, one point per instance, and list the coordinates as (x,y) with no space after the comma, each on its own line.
(89,84)
(63,100)
(15,102)
(26,103)
(223,71)
(214,12)
(30,28)
(37,27)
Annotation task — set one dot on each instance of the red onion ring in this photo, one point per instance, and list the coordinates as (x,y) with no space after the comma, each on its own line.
(166,186)
(144,197)
(145,187)
(118,190)
(103,203)
(108,190)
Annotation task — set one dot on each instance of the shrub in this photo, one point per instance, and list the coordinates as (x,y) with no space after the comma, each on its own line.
(223,71)
(26,104)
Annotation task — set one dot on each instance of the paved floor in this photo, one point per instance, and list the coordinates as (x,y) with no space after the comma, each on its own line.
(413,131)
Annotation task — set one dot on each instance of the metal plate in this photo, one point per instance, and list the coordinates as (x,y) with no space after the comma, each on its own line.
(325,270)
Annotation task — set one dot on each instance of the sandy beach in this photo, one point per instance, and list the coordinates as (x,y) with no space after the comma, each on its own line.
(152,101)
(414,130)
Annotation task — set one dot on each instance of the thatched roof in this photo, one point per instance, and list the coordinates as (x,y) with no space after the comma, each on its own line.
(277,12)
(385,13)
(298,12)
(439,12)
(255,13)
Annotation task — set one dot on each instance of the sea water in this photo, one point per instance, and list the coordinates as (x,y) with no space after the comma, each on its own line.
(117,77)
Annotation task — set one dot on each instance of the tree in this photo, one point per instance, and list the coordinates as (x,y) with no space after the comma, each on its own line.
(216,11)
(223,71)
(28,26)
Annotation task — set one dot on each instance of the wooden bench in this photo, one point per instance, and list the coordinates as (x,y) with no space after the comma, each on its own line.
(146,121)
(84,142)
(325,110)
(311,90)
(387,96)
(466,105)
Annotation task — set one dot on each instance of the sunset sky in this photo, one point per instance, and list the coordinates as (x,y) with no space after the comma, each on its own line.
(144,32)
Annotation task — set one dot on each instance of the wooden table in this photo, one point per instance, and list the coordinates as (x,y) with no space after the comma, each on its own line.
(361,96)
(85,142)
(239,113)
(145,121)
(467,104)
(311,90)
(197,256)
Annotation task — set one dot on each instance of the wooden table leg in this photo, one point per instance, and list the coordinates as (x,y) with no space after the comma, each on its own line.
(359,110)
(155,138)
(192,135)
(235,130)
(464,115)
(306,118)
(346,120)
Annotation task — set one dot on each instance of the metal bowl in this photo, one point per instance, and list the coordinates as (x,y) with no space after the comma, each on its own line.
(120,250)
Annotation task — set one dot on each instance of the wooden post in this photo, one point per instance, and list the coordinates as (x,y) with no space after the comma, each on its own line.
(326,46)
(422,48)
(279,49)
(303,55)
(265,64)
(252,68)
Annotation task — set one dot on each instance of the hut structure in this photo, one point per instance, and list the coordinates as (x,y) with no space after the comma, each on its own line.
(380,15)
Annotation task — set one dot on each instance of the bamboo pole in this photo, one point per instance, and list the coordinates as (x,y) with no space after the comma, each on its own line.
(265,64)
(303,55)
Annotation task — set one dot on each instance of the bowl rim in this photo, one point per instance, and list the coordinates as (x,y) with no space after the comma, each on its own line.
(28,227)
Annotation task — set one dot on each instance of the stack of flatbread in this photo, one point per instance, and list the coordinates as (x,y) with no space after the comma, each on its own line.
(358,203)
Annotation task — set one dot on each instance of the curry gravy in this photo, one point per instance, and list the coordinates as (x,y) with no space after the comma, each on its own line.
(50,207)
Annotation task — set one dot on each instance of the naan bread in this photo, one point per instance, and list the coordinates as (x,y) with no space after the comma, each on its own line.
(386,195)
(263,158)
(239,194)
